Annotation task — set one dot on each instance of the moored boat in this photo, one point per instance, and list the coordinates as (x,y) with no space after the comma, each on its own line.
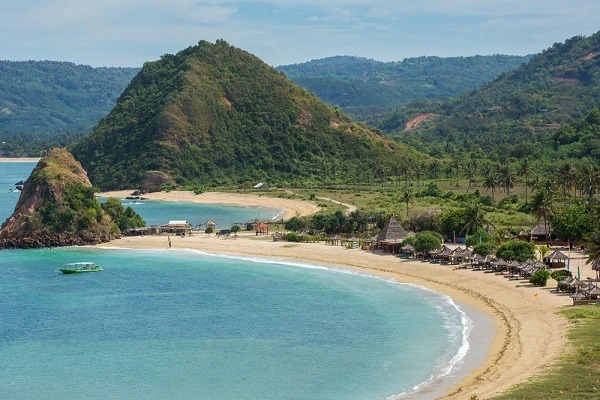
(86,266)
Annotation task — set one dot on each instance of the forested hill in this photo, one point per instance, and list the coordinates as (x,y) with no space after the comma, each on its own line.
(215,114)
(364,87)
(515,113)
(57,97)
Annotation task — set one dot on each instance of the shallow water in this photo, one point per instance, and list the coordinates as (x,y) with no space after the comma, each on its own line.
(179,324)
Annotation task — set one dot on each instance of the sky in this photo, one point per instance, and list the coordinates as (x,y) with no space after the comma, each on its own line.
(130,32)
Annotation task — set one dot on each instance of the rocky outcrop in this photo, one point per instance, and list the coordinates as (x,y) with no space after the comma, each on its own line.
(57,207)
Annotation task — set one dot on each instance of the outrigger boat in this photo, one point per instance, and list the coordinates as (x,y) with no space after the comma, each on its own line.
(74,268)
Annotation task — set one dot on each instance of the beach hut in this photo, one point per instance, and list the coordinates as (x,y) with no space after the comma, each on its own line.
(556,259)
(277,236)
(541,233)
(391,236)
(210,224)
(177,227)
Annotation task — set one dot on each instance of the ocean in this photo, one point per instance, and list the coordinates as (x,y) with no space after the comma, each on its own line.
(180,324)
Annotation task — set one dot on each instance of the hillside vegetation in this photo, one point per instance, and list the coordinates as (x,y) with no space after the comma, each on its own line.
(517,113)
(57,207)
(215,114)
(49,98)
(364,87)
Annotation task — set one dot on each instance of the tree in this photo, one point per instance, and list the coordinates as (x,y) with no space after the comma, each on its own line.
(490,180)
(295,224)
(518,250)
(572,222)
(407,197)
(542,206)
(427,241)
(526,170)
(474,218)
(479,236)
(507,178)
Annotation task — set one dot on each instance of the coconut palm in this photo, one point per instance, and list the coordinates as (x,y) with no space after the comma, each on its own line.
(507,178)
(490,180)
(407,198)
(474,218)
(526,169)
(542,206)
(592,248)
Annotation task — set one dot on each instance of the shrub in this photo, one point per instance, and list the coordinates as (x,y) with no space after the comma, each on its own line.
(209,230)
(484,248)
(293,237)
(516,250)
(560,274)
(540,278)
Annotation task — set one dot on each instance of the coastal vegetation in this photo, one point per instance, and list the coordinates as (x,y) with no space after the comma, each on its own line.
(58,207)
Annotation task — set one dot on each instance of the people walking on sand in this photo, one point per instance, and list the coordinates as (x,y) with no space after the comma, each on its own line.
(169,239)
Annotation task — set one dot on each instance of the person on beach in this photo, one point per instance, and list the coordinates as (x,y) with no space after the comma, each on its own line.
(169,239)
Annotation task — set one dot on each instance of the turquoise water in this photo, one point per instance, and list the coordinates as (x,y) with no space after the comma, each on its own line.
(11,173)
(161,212)
(171,324)
(153,212)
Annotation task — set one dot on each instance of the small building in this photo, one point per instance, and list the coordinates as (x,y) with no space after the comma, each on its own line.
(262,228)
(210,224)
(177,227)
(391,236)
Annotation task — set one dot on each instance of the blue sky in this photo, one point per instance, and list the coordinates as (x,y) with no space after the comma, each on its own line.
(129,32)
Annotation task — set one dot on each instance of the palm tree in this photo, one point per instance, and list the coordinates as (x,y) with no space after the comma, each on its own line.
(542,206)
(474,217)
(566,173)
(507,178)
(434,169)
(592,249)
(490,180)
(526,169)
(543,251)
(407,197)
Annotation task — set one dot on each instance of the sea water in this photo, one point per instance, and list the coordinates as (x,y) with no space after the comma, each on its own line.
(153,212)
(174,324)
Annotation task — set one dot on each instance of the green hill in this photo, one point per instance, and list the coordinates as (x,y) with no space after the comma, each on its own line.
(365,87)
(215,114)
(48,98)
(516,114)
(58,208)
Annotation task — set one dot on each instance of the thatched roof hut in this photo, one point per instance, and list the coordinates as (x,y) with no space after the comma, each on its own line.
(541,232)
(393,231)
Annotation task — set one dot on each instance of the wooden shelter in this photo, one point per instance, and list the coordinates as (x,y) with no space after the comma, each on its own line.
(176,227)
(542,233)
(262,228)
(391,236)
(556,259)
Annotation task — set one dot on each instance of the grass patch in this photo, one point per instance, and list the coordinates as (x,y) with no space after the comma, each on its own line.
(577,373)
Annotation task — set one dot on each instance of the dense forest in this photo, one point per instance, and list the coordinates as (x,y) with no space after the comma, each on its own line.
(215,114)
(54,102)
(365,88)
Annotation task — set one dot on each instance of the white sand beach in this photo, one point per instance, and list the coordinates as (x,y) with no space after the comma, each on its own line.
(19,159)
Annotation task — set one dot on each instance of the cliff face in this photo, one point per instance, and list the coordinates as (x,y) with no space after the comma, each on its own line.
(57,207)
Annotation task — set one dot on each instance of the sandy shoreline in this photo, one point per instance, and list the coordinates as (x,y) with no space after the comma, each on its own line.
(530,335)
(291,208)
(19,159)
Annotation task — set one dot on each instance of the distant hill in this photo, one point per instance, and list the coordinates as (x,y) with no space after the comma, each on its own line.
(365,87)
(517,113)
(215,114)
(49,96)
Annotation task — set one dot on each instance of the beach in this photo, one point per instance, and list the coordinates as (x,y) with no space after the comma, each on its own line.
(529,335)
(19,159)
